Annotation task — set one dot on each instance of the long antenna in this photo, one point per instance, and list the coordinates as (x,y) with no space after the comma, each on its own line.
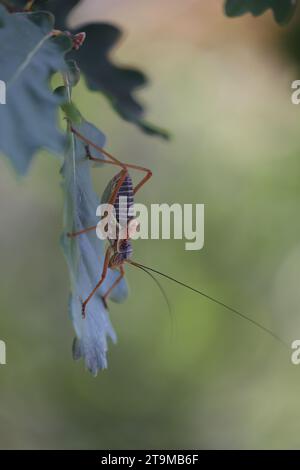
(163,292)
(212,299)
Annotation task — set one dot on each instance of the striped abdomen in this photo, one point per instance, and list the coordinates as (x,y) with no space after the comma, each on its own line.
(124,201)
(123,206)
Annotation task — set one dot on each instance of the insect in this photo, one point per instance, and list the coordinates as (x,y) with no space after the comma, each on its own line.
(120,249)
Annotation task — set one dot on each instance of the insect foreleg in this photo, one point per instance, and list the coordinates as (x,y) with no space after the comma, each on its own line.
(116,282)
(75,234)
(103,276)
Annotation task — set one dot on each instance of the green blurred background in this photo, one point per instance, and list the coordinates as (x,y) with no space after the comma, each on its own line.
(222,86)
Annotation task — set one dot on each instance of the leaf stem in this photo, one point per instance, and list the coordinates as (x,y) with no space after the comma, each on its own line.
(69,94)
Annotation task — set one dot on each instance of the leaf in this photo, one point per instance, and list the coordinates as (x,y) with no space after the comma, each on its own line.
(21,4)
(283,10)
(119,84)
(14,5)
(28,58)
(84,255)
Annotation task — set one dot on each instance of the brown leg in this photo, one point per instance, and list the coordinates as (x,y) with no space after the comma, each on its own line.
(108,292)
(103,275)
(99,149)
(114,160)
(144,180)
(114,195)
(127,165)
(75,234)
(112,198)
(111,201)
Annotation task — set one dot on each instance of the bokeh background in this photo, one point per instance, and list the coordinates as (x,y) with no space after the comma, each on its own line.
(203,378)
